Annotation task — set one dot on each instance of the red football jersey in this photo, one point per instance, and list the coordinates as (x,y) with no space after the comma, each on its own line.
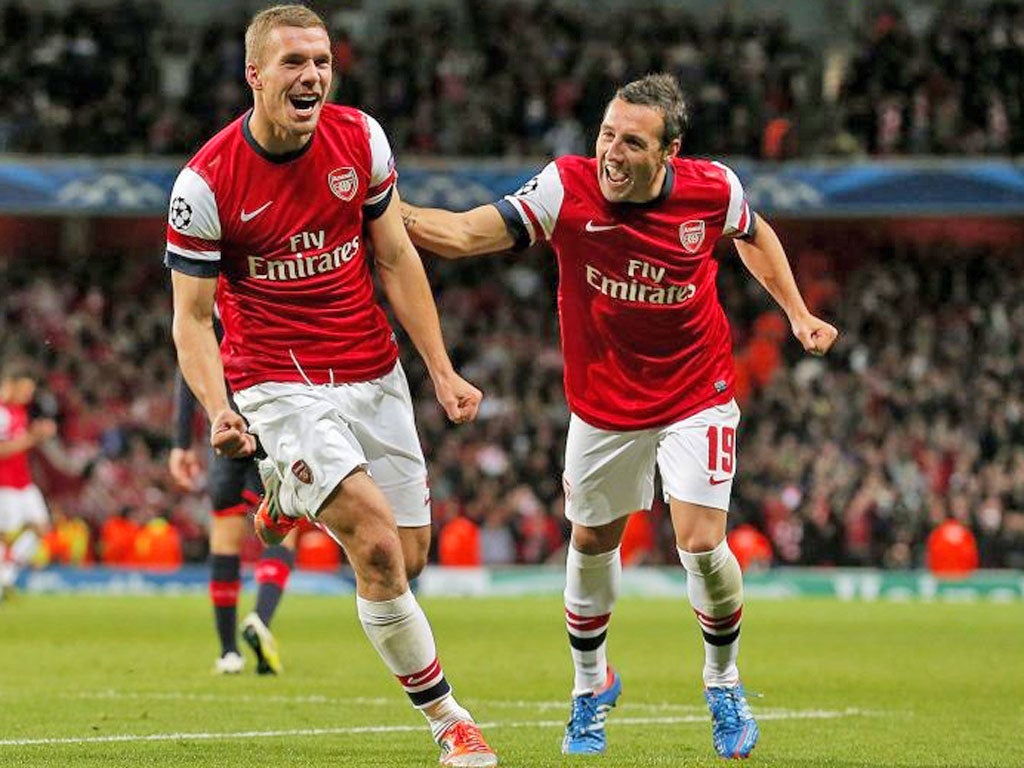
(14,469)
(645,340)
(284,235)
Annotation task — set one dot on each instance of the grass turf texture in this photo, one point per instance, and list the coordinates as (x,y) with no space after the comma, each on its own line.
(848,685)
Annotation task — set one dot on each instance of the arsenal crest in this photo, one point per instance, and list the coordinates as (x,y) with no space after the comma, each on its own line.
(691,235)
(302,471)
(343,183)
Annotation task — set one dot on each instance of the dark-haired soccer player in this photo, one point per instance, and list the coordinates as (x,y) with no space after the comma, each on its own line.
(235,489)
(271,219)
(648,371)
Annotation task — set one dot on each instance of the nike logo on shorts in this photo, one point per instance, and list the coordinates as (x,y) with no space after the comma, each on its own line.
(718,480)
(592,227)
(249,215)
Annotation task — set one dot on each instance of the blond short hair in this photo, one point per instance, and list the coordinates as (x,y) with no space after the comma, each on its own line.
(277,16)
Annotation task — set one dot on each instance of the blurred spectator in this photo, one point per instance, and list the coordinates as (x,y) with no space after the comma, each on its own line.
(639,543)
(117,539)
(516,77)
(952,550)
(459,544)
(919,418)
(158,546)
(316,551)
(751,547)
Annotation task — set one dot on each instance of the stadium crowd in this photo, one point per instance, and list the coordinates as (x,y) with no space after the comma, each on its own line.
(529,78)
(917,416)
(847,460)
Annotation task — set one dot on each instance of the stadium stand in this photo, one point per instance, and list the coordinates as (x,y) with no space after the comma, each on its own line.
(850,461)
(889,82)
(854,460)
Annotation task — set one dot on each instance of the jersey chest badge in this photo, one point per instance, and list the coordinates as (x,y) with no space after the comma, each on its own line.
(691,235)
(343,183)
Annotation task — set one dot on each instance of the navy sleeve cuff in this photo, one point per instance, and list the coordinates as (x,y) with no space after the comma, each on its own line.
(749,234)
(376,210)
(191,267)
(514,224)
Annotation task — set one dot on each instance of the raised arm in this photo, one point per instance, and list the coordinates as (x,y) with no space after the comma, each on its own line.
(409,294)
(765,258)
(457,235)
(200,363)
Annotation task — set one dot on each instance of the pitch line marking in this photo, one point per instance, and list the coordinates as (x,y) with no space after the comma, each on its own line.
(811,714)
(113,695)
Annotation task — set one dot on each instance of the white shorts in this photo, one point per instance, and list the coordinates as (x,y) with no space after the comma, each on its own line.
(610,474)
(317,435)
(22,506)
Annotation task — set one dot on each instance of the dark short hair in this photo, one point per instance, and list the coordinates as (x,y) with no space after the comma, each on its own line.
(661,91)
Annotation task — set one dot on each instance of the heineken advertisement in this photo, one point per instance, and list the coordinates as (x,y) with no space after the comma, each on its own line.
(781,583)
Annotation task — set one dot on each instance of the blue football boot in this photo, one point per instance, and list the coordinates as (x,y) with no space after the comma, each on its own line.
(733,728)
(584,733)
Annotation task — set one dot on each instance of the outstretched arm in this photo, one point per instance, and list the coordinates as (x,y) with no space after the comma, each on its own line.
(409,294)
(456,235)
(765,258)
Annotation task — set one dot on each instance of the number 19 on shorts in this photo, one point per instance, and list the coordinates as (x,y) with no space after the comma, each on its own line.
(721,448)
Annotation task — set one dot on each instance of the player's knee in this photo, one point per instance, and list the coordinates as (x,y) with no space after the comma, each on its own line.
(697,540)
(595,541)
(380,560)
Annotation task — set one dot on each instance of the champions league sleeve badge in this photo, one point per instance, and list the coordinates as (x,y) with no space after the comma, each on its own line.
(181,213)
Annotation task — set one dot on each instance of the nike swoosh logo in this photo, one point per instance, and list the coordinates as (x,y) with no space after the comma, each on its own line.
(414,680)
(718,480)
(592,227)
(249,215)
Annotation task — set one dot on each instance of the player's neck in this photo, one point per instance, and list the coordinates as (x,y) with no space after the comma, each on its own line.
(272,138)
(657,185)
(655,192)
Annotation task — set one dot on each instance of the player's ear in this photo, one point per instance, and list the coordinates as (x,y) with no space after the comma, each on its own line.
(252,77)
(673,147)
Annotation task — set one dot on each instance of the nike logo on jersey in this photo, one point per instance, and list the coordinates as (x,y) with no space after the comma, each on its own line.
(250,215)
(592,227)
(718,480)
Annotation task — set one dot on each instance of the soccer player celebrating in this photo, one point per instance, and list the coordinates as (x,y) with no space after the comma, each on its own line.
(648,372)
(24,518)
(234,487)
(271,218)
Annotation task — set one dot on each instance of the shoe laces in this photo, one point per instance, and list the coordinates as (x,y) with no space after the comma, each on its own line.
(586,713)
(467,736)
(730,707)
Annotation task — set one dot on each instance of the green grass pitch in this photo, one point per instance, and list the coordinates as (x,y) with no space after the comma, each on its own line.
(99,681)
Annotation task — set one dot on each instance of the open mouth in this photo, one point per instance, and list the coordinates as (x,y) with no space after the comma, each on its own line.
(305,104)
(615,177)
